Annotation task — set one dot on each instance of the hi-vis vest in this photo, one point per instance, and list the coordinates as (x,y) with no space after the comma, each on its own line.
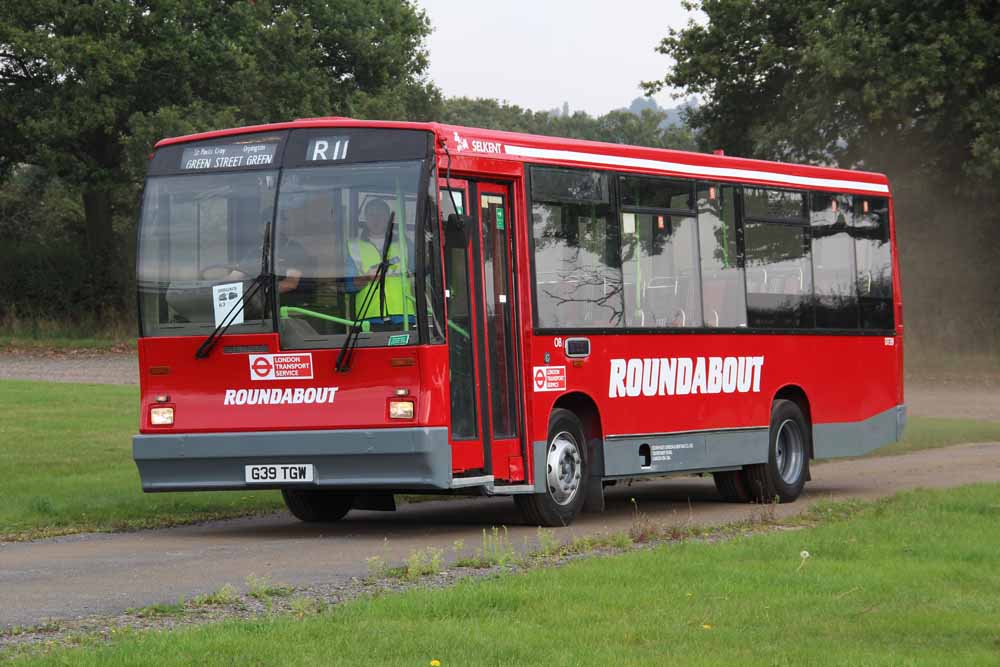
(397,288)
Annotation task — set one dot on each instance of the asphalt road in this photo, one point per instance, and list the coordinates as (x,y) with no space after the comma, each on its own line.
(65,578)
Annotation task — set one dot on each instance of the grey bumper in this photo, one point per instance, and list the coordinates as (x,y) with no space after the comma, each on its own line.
(392,459)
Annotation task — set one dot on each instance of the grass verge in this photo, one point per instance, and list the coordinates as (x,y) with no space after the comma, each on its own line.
(876,589)
(66,465)
(931,432)
(107,332)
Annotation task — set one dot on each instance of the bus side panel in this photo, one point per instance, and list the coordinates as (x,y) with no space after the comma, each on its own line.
(848,380)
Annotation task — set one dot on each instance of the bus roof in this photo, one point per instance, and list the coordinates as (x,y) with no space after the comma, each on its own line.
(477,142)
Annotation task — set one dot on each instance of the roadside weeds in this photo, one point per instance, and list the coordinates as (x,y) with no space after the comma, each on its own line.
(423,568)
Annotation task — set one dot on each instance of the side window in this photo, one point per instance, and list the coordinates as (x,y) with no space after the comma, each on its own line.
(834,269)
(577,267)
(723,296)
(656,193)
(874,262)
(659,236)
(778,259)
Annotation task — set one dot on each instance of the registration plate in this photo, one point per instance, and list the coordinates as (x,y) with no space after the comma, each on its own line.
(274,473)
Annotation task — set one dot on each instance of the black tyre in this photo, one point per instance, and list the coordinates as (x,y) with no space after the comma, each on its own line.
(566,473)
(315,506)
(733,486)
(787,467)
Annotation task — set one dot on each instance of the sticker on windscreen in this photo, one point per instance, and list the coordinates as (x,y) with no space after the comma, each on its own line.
(225,298)
(399,339)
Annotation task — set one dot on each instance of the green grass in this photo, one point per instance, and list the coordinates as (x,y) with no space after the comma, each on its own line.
(91,333)
(66,466)
(929,363)
(878,588)
(931,432)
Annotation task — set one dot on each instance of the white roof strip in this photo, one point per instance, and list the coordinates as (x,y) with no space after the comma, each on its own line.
(694,170)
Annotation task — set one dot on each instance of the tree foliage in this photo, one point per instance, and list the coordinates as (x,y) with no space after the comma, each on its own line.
(86,87)
(880,83)
(910,88)
(647,128)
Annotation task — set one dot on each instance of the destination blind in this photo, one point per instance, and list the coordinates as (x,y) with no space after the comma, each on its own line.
(236,155)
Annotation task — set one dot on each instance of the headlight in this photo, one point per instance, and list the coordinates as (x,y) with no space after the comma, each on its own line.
(161,416)
(400,409)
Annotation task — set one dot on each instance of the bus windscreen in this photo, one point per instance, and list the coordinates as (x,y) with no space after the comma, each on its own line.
(203,238)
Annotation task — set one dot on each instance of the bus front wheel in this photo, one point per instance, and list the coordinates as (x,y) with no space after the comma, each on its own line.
(565,474)
(313,506)
(787,469)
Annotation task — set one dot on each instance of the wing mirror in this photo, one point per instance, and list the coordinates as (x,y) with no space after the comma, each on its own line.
(457,223)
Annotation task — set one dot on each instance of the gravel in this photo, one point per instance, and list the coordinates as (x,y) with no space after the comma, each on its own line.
(86,366)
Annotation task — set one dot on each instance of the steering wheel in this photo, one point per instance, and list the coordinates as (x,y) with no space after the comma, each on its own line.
(216,271)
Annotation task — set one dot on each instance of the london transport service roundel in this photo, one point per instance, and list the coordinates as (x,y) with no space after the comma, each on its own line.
(540,378)
(261,366)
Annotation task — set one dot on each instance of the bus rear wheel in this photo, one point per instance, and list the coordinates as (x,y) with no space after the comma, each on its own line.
(733,485)
(314,506)
(565,474)
(787,469)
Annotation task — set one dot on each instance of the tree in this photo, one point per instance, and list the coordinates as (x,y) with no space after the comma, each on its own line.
(86,86)
(881,83)
(907,88)
(648,128)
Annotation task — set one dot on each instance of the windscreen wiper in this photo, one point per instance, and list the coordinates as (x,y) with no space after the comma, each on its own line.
(262,279)
(347,351)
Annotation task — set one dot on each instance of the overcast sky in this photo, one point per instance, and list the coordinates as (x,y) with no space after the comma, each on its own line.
(541,53)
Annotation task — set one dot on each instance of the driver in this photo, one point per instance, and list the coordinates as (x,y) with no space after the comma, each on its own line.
(289,262)
(366,253)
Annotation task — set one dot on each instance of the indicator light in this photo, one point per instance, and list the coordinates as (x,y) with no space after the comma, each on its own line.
(161,416)
(402,392)
(163,398)
(400,409)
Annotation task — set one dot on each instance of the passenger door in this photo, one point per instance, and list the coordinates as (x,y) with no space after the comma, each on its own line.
(485,422)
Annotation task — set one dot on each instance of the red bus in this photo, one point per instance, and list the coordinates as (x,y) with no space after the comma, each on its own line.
(345,310)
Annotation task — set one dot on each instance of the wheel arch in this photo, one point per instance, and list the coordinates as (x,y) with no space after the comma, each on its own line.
(797,395)
(584,407)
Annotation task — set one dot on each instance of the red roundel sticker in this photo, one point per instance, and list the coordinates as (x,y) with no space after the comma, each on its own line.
(539,379)
(261,366)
